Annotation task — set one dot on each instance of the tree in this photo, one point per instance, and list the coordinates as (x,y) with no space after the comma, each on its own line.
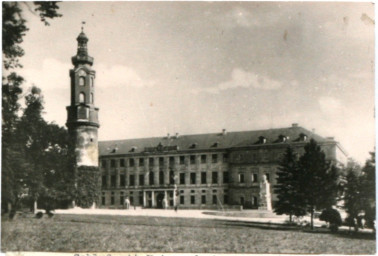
(352,197)
(368,190)
(318,179)
(290,200)
(13,30)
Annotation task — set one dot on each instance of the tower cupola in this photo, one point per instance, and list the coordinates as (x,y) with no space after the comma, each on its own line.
(82,56)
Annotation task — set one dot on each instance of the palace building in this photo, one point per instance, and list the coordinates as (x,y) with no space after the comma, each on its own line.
(217,170)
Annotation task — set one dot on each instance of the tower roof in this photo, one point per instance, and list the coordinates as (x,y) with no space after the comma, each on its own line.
(82,56)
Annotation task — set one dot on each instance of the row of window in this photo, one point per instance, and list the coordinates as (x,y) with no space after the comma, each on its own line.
(215,199)
(82,81)
(161,179)
(254,177)
(151,161)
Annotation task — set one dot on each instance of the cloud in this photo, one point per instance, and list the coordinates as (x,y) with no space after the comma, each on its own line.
(330,106)
(243,79)
(120,76)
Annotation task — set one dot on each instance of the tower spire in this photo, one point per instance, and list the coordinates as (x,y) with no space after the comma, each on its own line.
(82,26)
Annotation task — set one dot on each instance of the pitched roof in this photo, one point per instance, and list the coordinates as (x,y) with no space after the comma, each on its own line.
(205,141)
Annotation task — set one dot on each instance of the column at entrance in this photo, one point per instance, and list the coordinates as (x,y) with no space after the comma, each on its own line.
(153,198)
(144,198)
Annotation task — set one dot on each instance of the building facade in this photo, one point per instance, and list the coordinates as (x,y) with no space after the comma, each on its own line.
(219,170)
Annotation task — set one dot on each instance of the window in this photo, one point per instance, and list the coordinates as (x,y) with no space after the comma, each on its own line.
(203,159)
(141,179)
(121,198)
(171,177)
(161,161)
(112,163)
(122,162)
(193,178)
(214,199)
(192,199)
(140,197)
(122,182)
(171,161)
(131,200)
(113,181)
(132,162)
(103,163)
(132,180)
(81,81)
(254,201)
(254,177)
(151,178)
(225,158)
(82,97)
(182,159)
(91,98)
(151,161)
(161,177)
(182,200)
(192,159)
(112,199)
(103,198)
(241,200)
(182,178)
(141,161)
(214,158)
(103,181)
(241,177)
(225,177)
(203,178)
(214,177)
(92,81)
(225,199)
(203,199)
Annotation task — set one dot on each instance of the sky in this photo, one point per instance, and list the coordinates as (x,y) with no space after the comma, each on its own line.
(200,67)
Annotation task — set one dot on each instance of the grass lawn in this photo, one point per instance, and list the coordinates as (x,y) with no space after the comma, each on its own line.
(67,233)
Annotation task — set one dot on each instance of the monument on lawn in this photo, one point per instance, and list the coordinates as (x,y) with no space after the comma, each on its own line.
(265,196)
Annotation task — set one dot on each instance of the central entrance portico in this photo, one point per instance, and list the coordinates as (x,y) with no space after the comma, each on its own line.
(159,198)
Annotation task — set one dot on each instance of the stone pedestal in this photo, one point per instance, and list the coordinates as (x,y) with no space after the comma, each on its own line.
(265,196)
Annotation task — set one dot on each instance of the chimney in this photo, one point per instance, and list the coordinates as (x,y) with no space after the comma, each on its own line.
(168,136)
(177,135)
(294,125)
(224,132)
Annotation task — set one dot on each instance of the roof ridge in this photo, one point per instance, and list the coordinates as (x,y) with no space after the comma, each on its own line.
(213,133)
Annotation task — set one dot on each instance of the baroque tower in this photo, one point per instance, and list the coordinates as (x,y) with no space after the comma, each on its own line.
(82,121)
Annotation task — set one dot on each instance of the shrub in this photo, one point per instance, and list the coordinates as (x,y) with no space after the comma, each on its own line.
(39,215)
(333,217)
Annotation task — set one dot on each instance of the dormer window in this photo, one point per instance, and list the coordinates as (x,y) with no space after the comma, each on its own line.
(114,150)
(262,140)
(194,145)
(283,138)
(303,137)
(215,144)
(133,149)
